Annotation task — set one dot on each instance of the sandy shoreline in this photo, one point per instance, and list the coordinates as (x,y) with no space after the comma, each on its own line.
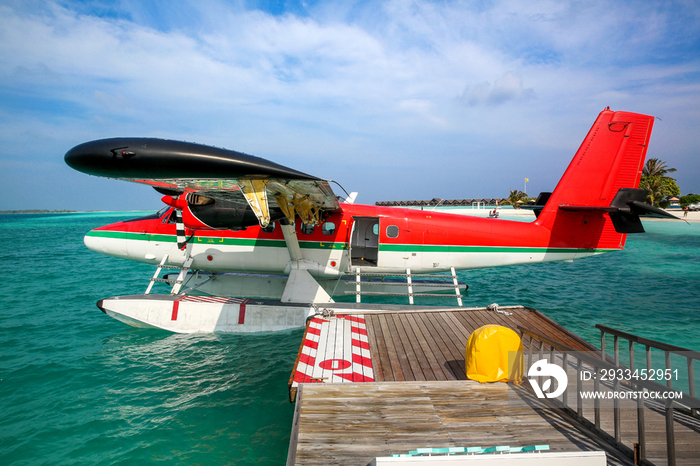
(693,217)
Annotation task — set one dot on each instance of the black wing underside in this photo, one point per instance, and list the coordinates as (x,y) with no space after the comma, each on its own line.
(176,167)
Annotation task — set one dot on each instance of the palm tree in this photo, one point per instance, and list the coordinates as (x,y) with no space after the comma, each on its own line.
(515,198)
(656,167)
(655,180)
(656,188)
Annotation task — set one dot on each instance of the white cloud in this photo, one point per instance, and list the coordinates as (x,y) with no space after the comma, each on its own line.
(507,88)
(349,85)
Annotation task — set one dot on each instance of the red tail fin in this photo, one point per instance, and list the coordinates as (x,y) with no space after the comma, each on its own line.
(611,157)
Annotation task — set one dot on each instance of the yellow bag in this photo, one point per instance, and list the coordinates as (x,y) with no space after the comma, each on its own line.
(494,354)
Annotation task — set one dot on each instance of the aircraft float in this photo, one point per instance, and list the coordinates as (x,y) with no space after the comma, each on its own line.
(266,246)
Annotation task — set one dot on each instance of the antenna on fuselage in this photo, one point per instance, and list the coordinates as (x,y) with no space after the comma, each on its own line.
(351,198)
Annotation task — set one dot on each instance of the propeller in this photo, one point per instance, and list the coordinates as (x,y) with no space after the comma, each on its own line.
(173,199)
(180,229)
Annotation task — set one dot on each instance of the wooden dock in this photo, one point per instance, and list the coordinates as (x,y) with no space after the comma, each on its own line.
(397,382)
(353,423)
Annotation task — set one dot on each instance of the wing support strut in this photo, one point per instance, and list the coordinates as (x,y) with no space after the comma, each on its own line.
(301,286)
(290,238)
(287,209)
(255,192)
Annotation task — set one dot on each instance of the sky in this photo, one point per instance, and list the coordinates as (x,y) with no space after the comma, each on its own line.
(397,100)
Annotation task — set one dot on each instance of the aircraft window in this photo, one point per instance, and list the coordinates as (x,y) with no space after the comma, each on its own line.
(392,231)
(307,229)
(172,218)
(328,228)
(375,229)
(269,228)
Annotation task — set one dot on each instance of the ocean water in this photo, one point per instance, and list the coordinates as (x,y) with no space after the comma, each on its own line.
(77,387)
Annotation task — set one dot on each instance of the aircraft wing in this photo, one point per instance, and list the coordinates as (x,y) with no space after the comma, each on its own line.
(175,167)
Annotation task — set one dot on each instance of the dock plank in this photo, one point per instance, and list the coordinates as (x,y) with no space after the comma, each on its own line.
(376,341)
(398,343)
(393,358)
(455,360)
(421,350)
(444,348)
(407,340)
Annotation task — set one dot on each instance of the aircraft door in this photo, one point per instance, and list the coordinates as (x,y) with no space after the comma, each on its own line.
(364,242)
(396,251)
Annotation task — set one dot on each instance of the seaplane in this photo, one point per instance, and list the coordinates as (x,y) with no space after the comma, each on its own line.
(263,247)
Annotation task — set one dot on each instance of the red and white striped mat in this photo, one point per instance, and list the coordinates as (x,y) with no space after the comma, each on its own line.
(336,349)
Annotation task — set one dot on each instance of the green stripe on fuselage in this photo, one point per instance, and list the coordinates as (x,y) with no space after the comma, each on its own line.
(255,242)
(482,249)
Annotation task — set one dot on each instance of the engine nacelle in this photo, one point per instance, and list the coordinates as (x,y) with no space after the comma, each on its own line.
(204,213)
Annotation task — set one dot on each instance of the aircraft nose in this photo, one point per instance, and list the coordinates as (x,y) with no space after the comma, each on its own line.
(112,243)
(93,243)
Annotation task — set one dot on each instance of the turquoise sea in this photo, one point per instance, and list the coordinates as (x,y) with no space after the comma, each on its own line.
(77,387)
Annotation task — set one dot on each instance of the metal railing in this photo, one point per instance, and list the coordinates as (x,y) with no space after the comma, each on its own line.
(409,284)
(668,350)
(596,367)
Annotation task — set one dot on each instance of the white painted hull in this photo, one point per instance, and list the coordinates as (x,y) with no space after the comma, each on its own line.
(275,259)
(195,314)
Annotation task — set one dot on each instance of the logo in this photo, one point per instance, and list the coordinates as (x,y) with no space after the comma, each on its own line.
(544,369)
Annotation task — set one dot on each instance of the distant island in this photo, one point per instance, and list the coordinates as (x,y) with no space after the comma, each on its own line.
(36,211)
(442,202)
